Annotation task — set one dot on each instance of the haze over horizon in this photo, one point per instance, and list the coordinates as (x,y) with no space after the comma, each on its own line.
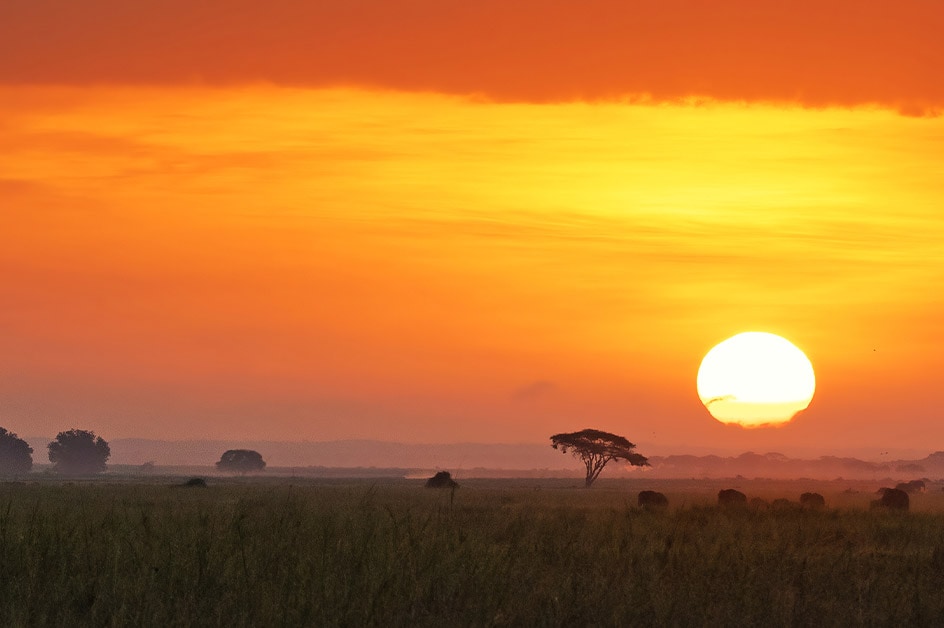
(458,456)
(489,222)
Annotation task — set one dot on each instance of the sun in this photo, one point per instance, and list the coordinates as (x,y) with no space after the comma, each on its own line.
(755,379)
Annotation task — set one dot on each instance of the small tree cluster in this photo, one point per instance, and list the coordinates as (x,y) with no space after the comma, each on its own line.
(74,452)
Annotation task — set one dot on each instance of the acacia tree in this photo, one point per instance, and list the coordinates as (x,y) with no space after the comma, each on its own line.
(16,456)
(79,452)
(595,448)
(241,461)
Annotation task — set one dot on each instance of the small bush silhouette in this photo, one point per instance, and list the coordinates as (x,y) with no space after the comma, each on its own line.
(442,479)
(652,500)
(812,500)
(195,483)
(241,461)
(731,497)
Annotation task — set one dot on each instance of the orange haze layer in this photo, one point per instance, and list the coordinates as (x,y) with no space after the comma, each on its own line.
(267,262)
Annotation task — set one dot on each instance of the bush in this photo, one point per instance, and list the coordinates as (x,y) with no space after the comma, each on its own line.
(241,461)
(442,479)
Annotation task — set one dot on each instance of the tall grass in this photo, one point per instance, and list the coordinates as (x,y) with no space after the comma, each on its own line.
(338,554)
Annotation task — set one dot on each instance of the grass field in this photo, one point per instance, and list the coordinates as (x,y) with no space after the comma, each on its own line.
(494,552)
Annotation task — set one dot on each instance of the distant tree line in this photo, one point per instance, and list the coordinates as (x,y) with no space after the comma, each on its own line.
(73,452)
(81,452)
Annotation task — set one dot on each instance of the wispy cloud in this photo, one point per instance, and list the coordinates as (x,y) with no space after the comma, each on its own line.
(534,391)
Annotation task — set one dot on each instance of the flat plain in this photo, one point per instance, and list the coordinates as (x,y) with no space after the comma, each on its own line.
(303,552)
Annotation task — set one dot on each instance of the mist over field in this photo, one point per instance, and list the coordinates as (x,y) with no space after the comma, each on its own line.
(505,460)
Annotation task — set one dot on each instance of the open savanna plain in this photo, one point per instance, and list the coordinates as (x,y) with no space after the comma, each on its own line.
(307,552)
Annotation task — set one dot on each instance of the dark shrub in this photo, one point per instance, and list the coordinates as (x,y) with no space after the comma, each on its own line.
(652,500)
(195,483)
(783,504)
(241,461)
(731,497)
(442,479)
(812,500)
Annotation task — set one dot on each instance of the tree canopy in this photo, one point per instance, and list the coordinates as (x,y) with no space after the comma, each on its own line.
(241,461)
(595,448)
(79,452)
(16,456)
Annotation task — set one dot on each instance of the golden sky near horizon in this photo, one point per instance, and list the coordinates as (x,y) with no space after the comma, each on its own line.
(254,232)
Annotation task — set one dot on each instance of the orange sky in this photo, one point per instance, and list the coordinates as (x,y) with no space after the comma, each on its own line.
(401,222)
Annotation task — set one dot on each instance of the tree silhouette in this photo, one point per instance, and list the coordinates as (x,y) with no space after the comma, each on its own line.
(241,461)
(16,456)
(595,448)
(79,452)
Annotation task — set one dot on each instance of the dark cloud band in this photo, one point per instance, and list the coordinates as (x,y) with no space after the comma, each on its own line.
(813,52)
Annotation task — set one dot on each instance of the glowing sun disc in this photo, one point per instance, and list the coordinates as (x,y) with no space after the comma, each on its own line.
(755,378)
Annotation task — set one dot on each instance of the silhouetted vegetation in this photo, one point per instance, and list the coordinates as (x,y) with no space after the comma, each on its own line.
(731,497)
(16,456)
(892,499)
(79,452)
(442,479)
(241,461)
(366,554)
(812,500)
(652,500)
(596,448)
(195,483)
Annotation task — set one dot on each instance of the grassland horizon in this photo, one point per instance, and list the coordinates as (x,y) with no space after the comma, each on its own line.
(494,552)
